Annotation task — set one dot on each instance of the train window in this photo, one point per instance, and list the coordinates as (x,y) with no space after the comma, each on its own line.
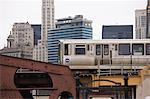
(124,49)
(138,49)
(106,49)
(148,49)
(80,45)
(66,52)
(98,49)
(116,47)
(88,47)
(80,50)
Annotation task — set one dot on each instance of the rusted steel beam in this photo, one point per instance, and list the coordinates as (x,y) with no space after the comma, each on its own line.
(33,65)
(6,89)
(61,76)
(27,68)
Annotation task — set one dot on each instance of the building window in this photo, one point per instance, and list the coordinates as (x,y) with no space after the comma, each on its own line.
(138,49)
(66,49)
(106,49)
(98,49)
(124,49)
(80,50)
(148,49)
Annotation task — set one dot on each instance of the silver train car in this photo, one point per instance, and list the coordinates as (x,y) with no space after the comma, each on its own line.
(115,52)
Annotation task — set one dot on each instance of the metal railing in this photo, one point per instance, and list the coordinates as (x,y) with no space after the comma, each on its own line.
(124,61)
(121,65)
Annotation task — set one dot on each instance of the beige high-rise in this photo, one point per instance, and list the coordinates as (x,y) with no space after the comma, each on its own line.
(47,18)
(40,52)
(140,23)
(20,41)
(23,34)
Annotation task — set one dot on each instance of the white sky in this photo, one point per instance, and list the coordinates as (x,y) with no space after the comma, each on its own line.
(101,12)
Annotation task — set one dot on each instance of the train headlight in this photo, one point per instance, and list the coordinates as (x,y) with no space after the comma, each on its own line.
(67,60)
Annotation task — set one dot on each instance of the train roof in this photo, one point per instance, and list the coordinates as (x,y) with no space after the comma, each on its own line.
(107,41)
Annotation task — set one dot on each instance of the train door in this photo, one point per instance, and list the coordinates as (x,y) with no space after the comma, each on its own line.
(98,53)
(102,54)
(105,54)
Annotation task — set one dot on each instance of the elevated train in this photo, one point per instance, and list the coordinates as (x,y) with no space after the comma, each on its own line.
(114,52)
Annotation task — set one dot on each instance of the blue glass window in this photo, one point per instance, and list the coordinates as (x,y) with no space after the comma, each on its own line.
(98,49)
(80,50)
(124,49)
(106,49)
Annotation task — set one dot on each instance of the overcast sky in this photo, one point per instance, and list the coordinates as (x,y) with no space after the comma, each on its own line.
(101,12)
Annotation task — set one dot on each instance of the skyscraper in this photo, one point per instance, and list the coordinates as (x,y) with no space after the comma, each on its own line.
(40,52)
(148,19)
(67,28)
(47,18)
(140,23)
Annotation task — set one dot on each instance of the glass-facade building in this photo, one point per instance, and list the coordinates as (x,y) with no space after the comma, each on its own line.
(37,32)
(67,28)
(117,32)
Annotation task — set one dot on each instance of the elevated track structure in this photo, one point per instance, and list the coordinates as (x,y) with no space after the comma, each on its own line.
(25,79)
